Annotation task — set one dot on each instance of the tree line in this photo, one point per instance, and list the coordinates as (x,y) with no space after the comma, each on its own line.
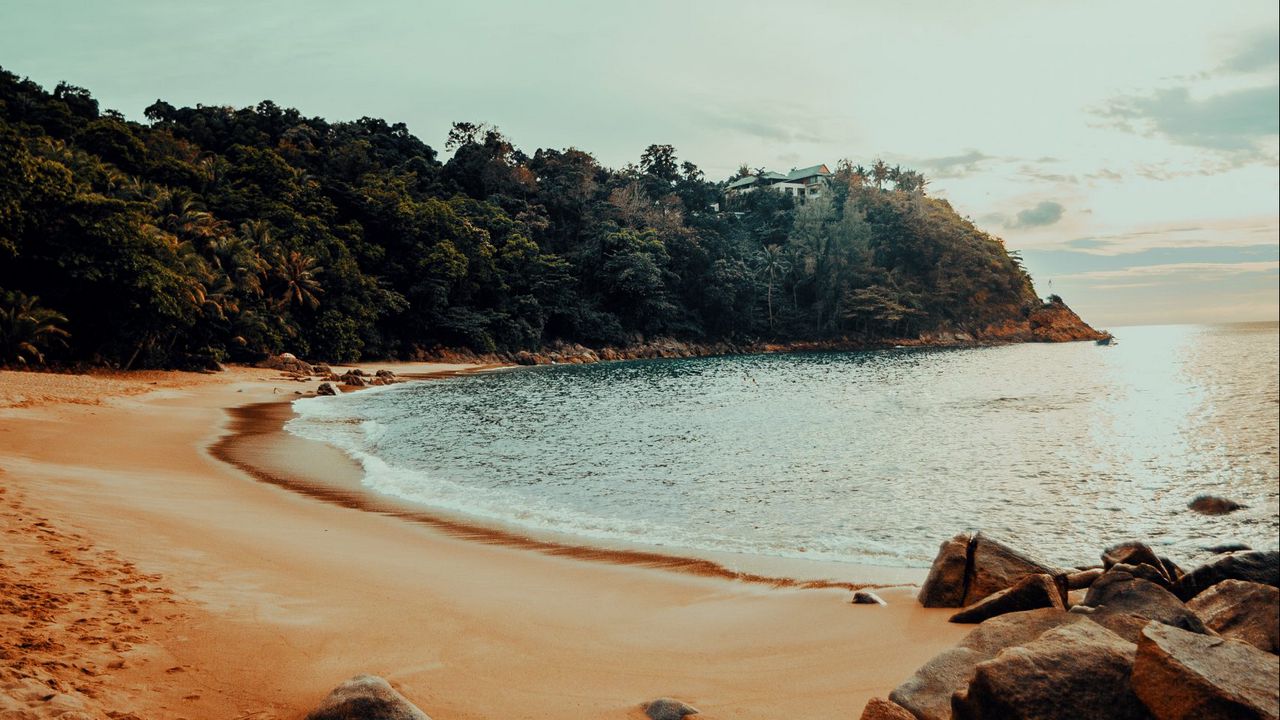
(210,233)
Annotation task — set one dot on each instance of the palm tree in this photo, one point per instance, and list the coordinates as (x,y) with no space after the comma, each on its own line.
(27,329)
(880,172)
(297,274)
(772,262)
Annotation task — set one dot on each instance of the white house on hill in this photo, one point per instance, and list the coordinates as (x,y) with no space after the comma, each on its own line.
(801,184)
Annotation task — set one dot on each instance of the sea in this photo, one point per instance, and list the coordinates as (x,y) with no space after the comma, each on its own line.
(868,458)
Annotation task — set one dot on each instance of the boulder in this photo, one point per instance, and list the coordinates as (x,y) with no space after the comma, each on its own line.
(994,566)
(1213,505)
(881,709)
(1254,566)
(286,362)
(321,370)
(1137,553)
(1184,676)
(1147,572)
(927,693)
(668,709)
(366,697)
(866,597)
(1083,579)
(1079,670)
(1124,604)
(385,373)
(326,389)
(1241,610)
(1029,593)
(945,585)
(357,372)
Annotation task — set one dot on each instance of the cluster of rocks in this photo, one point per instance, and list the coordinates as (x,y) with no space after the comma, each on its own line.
(369,697)
(573,354)
(1134,637)
(302,371)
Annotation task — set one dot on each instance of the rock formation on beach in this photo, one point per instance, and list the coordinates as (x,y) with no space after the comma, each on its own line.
(1130,648)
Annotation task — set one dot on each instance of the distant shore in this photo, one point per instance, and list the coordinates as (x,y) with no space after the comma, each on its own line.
(204,592)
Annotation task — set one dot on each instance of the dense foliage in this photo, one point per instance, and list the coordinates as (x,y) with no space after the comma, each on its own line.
(215,233)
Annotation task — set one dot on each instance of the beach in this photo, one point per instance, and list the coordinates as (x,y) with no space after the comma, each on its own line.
(146,575)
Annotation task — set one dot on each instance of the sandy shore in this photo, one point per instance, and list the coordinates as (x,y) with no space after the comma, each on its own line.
(141,574)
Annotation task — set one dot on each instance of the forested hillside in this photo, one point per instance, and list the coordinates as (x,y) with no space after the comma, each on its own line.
(214,233)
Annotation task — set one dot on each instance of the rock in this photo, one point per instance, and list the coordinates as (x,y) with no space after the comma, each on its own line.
(1029,593)
(321,370)
(1227,548)
(1137,553)
(326,389)
(881,709)
(668,709)
(357,372)
(1080,670)
(1083,579)
(352,379)
(1241,610)
(994,566)
(286,362)
(927,693)
(366,697)
(1254,566)
(1181,675)
(866,597)
(1213,505)
(1129,553)
(385,373)
(945,585)
(1124,604)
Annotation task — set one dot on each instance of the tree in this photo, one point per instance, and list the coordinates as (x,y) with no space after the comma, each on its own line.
(772,263)
(27,329)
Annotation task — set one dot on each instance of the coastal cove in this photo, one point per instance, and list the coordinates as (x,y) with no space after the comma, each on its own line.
(838,457)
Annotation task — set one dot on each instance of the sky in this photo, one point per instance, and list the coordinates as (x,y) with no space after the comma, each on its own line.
(1128,150)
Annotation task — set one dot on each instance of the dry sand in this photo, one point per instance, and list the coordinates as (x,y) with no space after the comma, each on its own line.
(141,575)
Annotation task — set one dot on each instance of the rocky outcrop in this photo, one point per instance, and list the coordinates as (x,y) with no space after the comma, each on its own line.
(881,709)
(1241,610)
(969,568)
(668,709)
(326,389)
(1184,676)
(1124,604)
(1213,505)
(1253,566)
(1089,678)
(366,697)
(1029,593)
(927,693)
(1052,321)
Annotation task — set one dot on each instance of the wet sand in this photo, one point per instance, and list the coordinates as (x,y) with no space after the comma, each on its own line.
(267,580)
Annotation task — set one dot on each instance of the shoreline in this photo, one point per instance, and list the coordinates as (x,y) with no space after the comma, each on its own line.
(257,432)
(270,598)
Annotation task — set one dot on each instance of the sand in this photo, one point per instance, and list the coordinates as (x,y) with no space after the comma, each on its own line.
(140,574)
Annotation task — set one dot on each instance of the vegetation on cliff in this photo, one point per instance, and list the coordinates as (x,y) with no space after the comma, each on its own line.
(213,233)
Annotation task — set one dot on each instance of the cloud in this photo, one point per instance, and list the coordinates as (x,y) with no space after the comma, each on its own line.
(954,166)
(1240,120)
(1045,213)
(1169,273)
(1259,53)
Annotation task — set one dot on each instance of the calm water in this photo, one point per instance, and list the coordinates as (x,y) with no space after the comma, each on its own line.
(870,457)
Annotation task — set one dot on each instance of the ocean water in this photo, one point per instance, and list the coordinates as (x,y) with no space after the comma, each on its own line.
(867,457)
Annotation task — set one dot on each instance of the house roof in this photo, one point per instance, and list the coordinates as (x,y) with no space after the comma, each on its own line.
(808,172)
(751,179)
